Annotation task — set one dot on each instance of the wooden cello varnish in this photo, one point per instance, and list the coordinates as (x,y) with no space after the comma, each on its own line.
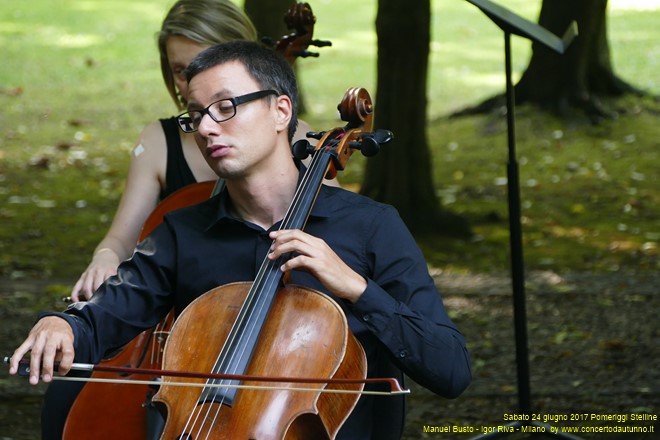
(303,325)
(114,410)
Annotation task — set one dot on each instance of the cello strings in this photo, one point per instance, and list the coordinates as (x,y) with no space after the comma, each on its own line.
(268,267)
(222,357)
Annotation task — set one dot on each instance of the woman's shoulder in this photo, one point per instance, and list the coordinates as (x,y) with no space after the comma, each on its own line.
(152,138)
(154,129)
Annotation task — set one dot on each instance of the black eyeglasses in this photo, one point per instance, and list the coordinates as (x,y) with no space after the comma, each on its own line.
(219,111)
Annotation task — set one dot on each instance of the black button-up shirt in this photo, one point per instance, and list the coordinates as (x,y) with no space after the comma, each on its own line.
(399,319)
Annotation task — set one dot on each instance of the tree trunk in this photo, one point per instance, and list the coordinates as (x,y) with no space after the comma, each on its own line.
(584,72)
(401,174)
(575,79)
(268,17)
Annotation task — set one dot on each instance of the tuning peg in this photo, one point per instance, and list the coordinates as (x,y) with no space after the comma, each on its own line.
(320,43)
(315,135)
(369,147)
(301,149)
(306,54)
(383,136)
(370,143)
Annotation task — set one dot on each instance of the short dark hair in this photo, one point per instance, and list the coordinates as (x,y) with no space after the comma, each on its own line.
(268,68)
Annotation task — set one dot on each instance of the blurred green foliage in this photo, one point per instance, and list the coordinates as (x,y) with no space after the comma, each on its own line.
(79,79)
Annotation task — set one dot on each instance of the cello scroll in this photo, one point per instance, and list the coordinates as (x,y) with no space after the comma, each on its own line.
(356,109)
(300,19)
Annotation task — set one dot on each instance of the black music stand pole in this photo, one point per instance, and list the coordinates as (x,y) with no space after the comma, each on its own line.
(511,23)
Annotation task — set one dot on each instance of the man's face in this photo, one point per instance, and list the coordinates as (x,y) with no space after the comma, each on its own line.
(241,145)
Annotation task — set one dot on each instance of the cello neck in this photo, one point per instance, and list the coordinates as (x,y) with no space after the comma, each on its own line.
(237,352)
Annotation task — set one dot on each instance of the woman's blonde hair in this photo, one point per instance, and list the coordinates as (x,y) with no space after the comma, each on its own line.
(207,22)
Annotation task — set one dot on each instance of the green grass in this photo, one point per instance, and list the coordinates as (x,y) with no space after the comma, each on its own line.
(589,194)
(79,81)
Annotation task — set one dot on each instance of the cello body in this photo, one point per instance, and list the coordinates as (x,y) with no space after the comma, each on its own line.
(306,335)
(107,409)
(99,406)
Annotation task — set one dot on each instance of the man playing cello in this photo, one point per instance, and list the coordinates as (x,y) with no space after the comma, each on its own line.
(243,109)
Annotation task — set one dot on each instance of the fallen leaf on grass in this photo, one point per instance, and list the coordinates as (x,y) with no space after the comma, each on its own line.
(40,162)
(612,344)
(63,146)
(14,91)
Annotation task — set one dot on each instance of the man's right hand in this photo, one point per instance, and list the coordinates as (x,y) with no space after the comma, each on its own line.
(50,341)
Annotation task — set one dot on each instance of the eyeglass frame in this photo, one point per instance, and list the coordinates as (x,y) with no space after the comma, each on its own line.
(188,125)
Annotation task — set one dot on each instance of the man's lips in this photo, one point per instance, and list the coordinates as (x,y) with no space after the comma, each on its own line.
(216,150)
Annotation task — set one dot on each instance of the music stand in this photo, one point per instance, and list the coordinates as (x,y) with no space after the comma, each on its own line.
(511,23)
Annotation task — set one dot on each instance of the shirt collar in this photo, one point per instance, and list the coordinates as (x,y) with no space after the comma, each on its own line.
(223,214)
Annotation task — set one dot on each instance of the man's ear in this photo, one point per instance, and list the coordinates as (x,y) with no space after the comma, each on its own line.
(284,110)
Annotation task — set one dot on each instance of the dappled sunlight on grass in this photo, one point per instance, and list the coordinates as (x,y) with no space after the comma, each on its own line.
(588,193)
(56,37)
(82,80)
(152,10)
(635,5)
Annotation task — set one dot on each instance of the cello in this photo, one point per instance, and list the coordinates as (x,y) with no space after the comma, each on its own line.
(130,404)
(254,328)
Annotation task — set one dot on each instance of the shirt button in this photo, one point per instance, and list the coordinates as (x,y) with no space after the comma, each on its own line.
(403,354)
(366,318)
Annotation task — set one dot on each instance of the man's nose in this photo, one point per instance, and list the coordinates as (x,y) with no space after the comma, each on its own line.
(207,126)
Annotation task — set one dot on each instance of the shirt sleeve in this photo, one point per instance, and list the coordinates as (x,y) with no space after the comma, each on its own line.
(402,307)
(135,299)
